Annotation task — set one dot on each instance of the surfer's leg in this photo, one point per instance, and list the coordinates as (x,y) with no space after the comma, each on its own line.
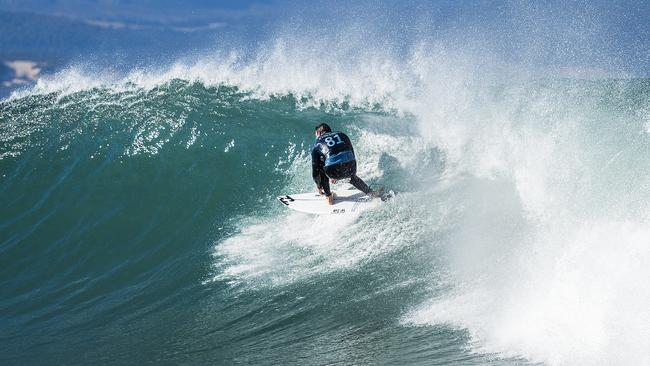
(325,183)
(359,184)
(349,170)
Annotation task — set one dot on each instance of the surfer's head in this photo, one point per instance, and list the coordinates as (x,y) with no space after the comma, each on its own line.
(322,128)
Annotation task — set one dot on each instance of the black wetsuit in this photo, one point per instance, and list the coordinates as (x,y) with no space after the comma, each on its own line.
(332,157)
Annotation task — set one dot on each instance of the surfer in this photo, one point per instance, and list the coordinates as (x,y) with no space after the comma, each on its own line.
(332,157)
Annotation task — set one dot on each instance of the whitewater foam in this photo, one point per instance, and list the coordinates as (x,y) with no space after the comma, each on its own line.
(573,301)
(553,286)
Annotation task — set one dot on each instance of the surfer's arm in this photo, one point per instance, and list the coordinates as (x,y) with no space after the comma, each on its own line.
(315,166)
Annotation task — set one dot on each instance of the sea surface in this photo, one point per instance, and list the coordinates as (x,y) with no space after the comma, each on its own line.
(139,222)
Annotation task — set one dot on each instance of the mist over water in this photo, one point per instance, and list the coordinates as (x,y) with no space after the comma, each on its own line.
(139,220)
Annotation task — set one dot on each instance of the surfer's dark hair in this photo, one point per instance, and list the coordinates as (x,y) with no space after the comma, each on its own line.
(323,127)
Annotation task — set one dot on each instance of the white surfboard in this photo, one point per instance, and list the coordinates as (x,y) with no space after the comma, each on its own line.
(346,201)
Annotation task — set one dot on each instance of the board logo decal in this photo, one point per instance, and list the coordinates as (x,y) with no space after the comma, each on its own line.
(286,199)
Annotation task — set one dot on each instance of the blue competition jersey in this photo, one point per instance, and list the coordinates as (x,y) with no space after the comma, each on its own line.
(333,148)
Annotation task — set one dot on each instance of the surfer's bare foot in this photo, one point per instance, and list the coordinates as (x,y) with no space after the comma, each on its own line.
(330,199)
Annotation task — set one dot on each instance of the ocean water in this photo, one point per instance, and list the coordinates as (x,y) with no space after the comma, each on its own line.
(138,220)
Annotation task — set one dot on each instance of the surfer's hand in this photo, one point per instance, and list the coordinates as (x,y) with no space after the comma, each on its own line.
(333,181)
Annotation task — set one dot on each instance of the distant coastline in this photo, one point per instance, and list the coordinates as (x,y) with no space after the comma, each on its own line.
(24,72)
